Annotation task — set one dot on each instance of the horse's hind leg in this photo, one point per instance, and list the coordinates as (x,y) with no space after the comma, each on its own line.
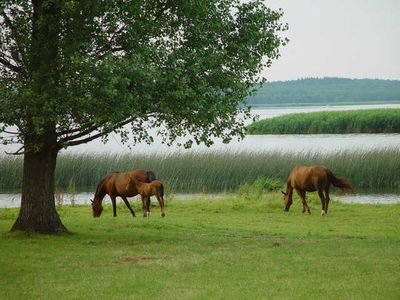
(323,201)
(128,205)
(327,198)
(302,195)
(160,200)
(114,205)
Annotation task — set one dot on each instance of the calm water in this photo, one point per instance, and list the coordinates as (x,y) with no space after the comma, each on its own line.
(266,143)
(14,200)
(261,143)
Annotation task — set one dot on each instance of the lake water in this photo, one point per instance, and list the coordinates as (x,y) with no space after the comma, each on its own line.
(14,200)
(266,143)
(326,143)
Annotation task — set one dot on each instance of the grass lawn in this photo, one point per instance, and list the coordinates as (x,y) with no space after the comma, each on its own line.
(208,249)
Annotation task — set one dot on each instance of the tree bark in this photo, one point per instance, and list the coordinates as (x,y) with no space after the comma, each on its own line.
(38,211)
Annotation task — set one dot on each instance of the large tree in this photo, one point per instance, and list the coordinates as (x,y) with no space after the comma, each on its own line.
(73,71)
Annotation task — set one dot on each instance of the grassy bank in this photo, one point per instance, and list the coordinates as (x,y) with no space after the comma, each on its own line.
(215,249)
(352,121)
(214,172)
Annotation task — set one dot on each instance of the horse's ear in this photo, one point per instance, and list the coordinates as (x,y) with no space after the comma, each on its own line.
(91,201)
(283,193)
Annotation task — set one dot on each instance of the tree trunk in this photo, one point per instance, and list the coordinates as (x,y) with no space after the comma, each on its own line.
(38,212)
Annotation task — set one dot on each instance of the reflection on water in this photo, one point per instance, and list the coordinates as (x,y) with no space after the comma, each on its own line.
(14,200)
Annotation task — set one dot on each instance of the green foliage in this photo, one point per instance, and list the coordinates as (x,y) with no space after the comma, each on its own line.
(326,90)
(351,121)
(216,172)
(260,186)
(208,249)
(73,71)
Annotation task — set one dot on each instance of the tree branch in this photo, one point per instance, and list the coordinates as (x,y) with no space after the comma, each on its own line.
(73,130)
(11,132)
(108,46)
(10,65)
(83,141)
(71,140)
(15,37)
(18,152)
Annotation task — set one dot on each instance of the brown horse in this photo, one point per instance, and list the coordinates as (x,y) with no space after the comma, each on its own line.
(310,179)
(115,184)
(154,188)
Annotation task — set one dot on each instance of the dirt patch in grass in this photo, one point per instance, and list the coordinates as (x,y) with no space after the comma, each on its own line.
(139,259)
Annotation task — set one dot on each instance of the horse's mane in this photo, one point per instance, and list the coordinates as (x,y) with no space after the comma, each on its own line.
(151,176)
(100,186)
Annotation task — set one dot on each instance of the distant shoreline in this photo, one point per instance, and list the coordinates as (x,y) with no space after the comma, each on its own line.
(384,120)
(327,90)
(348,103)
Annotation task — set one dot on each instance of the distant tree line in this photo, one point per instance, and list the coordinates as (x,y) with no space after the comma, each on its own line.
(326,91)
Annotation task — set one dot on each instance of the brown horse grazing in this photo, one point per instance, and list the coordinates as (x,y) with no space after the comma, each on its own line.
(310,179)
(154,188)
(115,184)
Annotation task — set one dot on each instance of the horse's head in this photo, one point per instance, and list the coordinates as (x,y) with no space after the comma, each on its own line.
(287,199)
(97,208)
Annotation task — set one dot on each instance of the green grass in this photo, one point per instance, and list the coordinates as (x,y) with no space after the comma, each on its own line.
(327,122)
(208,249)
(215,172)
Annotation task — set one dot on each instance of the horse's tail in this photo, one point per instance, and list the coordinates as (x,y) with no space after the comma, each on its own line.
(150,176)
(341,182)
(161,190)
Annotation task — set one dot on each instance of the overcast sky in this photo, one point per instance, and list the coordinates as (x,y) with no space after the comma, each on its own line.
(343,38)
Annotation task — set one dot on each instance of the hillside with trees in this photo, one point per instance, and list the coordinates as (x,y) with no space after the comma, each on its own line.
(309,91)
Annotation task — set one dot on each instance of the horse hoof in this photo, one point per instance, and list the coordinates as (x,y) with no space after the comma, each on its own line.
(323,212)
(163,215)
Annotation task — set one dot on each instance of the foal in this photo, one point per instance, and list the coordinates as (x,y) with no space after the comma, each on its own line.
(154,188)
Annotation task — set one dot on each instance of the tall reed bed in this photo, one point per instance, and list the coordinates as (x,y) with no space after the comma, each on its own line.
(214,171)
(352,121)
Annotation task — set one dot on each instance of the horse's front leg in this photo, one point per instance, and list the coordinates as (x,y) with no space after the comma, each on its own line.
(302,195)
(128,205)
(148,202)
(144,206)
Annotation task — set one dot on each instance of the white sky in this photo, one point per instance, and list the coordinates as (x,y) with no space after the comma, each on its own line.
(343,38)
